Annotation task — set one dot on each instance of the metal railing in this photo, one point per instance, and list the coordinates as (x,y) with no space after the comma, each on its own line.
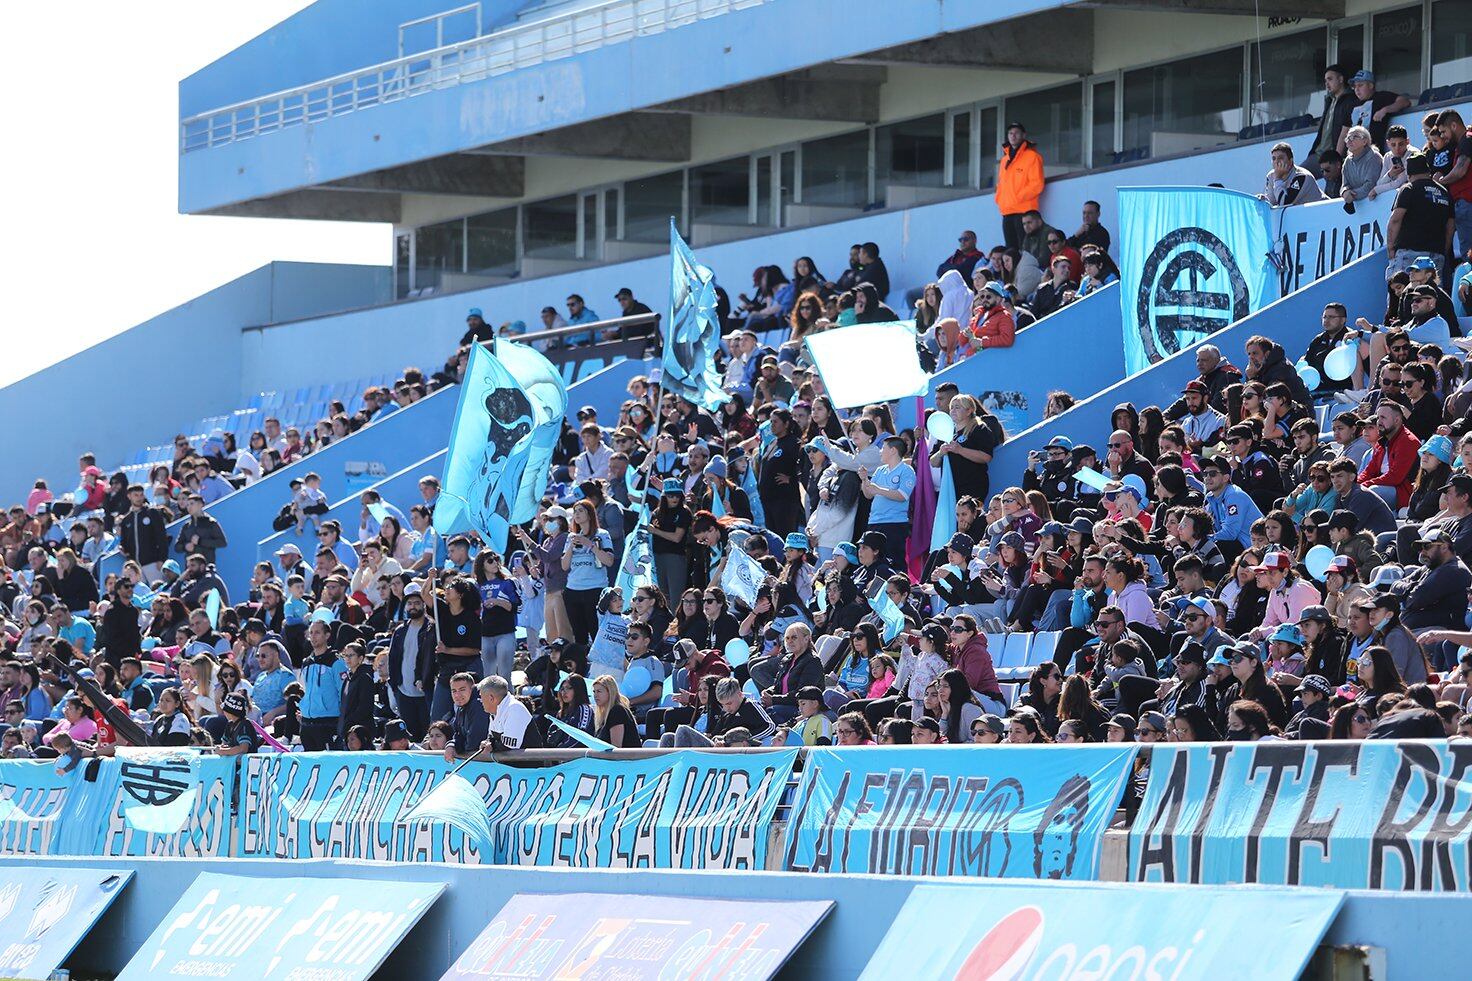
(494,54)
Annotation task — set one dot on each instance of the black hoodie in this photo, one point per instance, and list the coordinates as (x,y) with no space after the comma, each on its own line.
(875,310)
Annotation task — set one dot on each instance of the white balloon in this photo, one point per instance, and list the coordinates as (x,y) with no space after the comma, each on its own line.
(1339,363)
(941,427)
(1317,560)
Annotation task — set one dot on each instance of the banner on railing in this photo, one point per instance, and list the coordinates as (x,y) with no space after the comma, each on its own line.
(1310,241)
(1358,815)
(140,802)
(681,811)
(1012,812)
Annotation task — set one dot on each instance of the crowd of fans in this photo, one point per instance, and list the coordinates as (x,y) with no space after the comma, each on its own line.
(1269,558)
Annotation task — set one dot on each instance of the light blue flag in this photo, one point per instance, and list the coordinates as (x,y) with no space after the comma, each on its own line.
(579,736)
(692,331)
(742,577)
(748,484)
(501,441)
(455,801)
(945,507)
(1192,260)
(212,608)
(894,620)
(717,506)
(160,819)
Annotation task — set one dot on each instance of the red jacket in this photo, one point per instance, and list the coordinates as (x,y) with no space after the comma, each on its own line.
(993,327)
(975,662)
(1405,450)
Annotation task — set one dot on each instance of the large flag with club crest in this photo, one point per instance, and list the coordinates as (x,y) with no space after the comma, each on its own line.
(692,331)
(506,426)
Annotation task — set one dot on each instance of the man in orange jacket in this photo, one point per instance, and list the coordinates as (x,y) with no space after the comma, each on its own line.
(1019,182)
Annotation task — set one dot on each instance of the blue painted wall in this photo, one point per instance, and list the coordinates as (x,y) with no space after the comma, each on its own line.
(395,442)
(1079,349)
(1292,322)
(712,54)
(839,948)
(144,385)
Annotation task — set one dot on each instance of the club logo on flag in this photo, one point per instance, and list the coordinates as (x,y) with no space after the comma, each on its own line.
(1191,286)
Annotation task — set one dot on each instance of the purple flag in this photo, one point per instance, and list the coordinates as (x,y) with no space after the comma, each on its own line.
(922,514)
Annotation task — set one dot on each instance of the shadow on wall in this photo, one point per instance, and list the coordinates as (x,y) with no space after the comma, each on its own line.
(1292,322)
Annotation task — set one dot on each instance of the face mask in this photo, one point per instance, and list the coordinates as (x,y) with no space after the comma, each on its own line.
(1239,735)
(33,619)
(550,527)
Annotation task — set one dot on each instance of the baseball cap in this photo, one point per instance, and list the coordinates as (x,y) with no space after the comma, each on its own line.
(961,542)
(1152,720)
(1193,652)
(1276,561)
(1218,658)
(673,485)
(1196,385)
(993,724)
(1433,537)
(1316,683)
(1053,528)
(1342,564)
(1459,482)
(289,549)
(1343,519)
(849,551)
(1363,75)
(1201,603)
(1417,164)
(1122,720)
(587,411)
(413,589)
(1081,525)
(1424,263)
(997,287)
(1061,442)
(797,540)
(258,625)
(172,565)
(1315,614)
(930,724)
(874,540)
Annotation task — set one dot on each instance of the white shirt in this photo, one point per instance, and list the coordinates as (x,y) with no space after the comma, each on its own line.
(510,720)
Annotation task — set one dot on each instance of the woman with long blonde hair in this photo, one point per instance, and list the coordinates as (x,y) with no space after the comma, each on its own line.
(613,717)
(970,450)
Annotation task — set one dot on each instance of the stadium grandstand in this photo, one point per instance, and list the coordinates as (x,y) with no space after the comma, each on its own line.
(806,473)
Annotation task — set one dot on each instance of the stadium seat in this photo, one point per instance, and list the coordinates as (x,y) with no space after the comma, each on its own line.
(1044,645)
(994,645)
(1015,653)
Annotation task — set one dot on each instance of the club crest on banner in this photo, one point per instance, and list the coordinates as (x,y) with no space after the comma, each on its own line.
(1190,286)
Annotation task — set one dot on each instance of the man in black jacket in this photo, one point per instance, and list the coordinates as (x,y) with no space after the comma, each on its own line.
(1267,363)
(120,635)
(143,534)
(412,649)
(201,533)
(1216,373)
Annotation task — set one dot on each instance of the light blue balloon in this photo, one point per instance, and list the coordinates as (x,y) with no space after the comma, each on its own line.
(738,652)
(636,681)
(941,427)
(1317,560)
(751,691)
(1339,363)
(1310,375)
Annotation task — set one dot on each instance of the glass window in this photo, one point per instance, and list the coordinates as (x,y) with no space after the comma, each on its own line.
(1187,104)
(1350,42)
(787,179)
(961,148)
(835,171)
(403,246)
(438,249)
(552,228)
(1288,76)
(1055,122)
(1103,123)
(1397,51)
(1451,42)
(911,153)
(491,243)
(649,203)
(991,144)
(720,193)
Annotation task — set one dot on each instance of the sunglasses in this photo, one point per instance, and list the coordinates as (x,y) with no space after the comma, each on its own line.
(643,599)
(1105,624)
(1239,658)
(1211,473)
(710,599)
(1193,616)
(959,630)
(1116,446)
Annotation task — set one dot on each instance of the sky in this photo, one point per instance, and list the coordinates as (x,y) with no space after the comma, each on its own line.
(95,242)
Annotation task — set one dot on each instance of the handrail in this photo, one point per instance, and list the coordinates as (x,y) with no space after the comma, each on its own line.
(504,51)
(596,327)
